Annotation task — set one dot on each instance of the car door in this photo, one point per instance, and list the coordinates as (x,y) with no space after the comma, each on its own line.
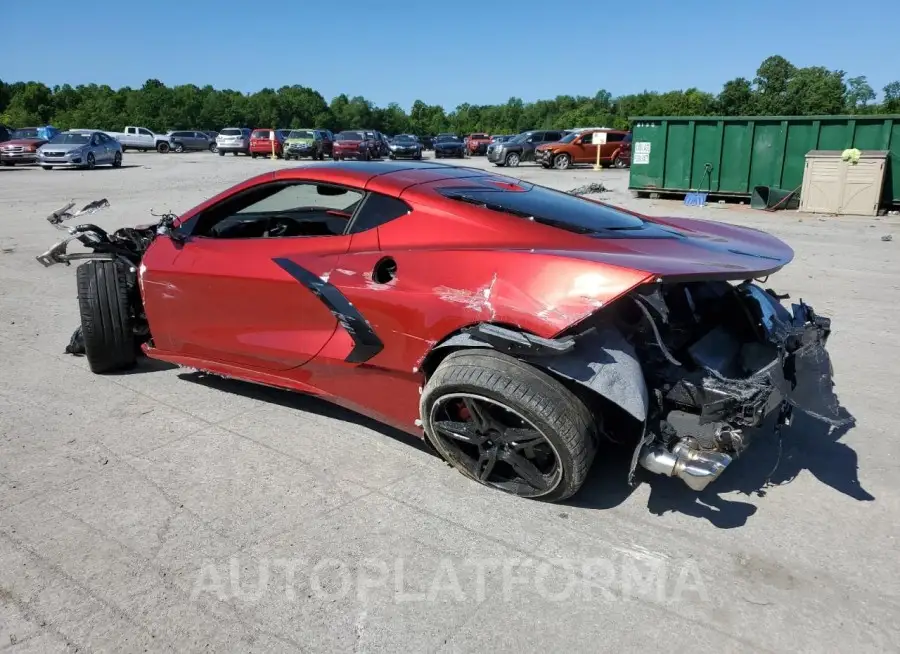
(530,145)
(219,289)
(97,149)
(612,145)
(109,147)
(585,150)
(145,138)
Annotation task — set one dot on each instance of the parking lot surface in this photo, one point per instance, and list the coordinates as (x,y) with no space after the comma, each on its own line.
(164,510)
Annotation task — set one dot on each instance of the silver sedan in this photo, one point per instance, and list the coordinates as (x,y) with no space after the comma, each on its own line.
(80,149)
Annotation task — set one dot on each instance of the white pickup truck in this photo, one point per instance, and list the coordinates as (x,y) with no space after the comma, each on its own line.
(143,139)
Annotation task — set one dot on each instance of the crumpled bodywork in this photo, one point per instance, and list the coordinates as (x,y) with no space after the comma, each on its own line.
(696,367)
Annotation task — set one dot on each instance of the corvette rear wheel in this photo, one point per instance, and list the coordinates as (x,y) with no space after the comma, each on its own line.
(508,425)
(106,321)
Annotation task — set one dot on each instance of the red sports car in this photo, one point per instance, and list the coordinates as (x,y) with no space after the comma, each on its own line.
(511,326)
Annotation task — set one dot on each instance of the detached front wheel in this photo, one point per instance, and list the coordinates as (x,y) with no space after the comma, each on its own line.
(106,321)
(508,425)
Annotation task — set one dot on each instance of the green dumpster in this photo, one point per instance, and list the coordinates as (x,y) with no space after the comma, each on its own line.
(670,154)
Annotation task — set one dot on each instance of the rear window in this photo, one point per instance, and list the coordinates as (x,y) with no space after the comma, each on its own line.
(230,132)
(479,136)
(546,206)
(260,134)
(349,136)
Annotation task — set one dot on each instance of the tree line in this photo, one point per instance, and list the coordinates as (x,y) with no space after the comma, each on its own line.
(778,88)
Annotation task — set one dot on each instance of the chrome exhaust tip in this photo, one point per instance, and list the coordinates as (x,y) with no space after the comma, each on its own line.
(695,468)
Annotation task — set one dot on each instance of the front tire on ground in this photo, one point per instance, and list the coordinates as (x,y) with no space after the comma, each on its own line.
(562,161)
(162,148)
(106,321)
(508,425)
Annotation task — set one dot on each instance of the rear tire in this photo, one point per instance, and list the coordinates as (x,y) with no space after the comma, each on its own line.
(521,390)
(117,160)
(619,162)
(47,167)
(222,153)
(106,321)
(512,159)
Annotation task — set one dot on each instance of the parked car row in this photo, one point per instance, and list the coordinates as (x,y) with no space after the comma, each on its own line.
(561,149)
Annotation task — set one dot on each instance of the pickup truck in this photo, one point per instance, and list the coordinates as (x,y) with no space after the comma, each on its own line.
(143,139)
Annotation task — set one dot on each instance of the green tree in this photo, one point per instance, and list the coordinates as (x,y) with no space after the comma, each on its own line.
(778,88)
(859,94)
(736,98)
(891,98)
(772,80)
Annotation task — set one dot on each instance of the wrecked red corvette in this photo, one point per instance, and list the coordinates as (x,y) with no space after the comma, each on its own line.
(510,325)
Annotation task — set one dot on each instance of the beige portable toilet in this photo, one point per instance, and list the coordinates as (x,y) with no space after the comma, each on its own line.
(832,185)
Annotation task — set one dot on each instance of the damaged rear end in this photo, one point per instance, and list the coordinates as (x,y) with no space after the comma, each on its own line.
(703,365)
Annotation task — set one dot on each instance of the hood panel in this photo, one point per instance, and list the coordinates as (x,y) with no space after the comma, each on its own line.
(24,142)
(65,147)
(704,250)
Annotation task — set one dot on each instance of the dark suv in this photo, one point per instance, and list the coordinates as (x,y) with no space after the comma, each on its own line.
(521,147)
(190,140)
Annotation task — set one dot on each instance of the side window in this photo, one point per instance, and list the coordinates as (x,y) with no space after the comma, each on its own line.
(377,210)
(587,139)
(104,138)
(144,132)
(613,137)
(95,140)
(553,136)
(280,210)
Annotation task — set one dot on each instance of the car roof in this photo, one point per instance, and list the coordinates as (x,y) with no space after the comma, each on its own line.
(390,177)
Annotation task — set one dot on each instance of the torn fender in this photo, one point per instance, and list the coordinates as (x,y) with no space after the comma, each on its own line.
(601,360)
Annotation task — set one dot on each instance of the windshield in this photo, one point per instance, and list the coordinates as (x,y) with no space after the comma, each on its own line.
(404,139)
(480,137)
(260,134)
(520,138)
(24,133)
(446,139)
(230,132)
(544,205)
(568,138)
(349,136)
(301,134)
(70,138)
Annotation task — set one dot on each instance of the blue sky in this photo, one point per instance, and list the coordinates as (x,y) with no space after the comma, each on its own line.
(401,50)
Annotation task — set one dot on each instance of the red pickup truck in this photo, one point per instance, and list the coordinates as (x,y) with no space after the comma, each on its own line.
(478,143)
